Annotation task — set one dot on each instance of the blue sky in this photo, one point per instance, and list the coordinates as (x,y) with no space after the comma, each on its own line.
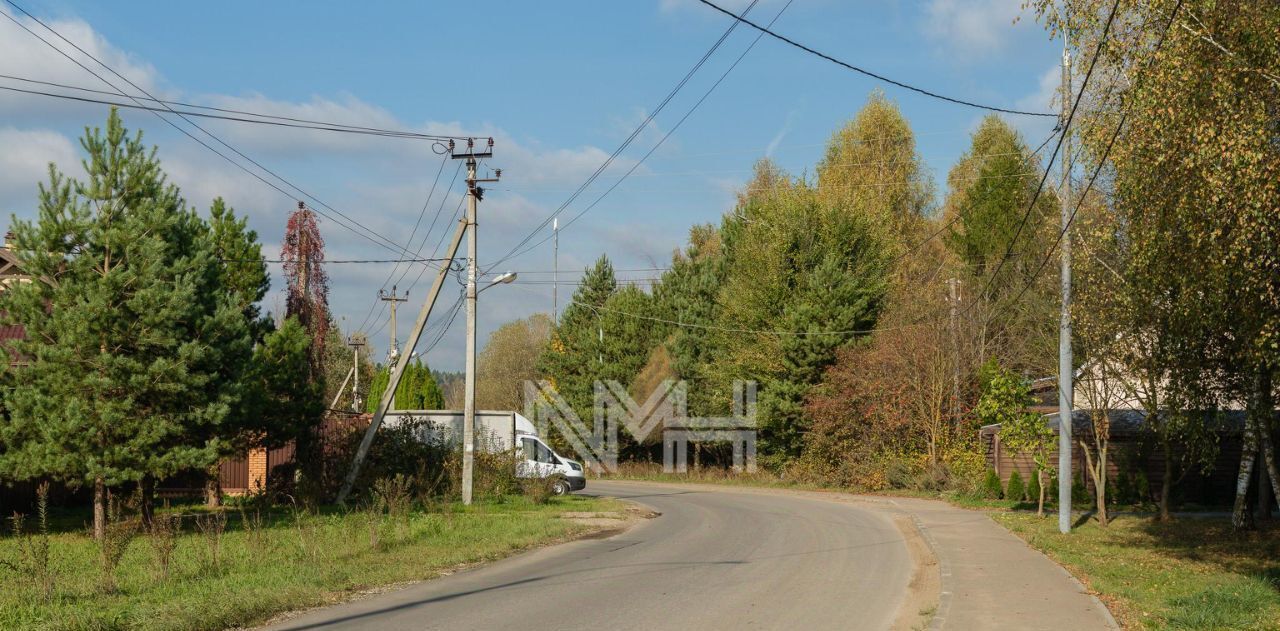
(558,84)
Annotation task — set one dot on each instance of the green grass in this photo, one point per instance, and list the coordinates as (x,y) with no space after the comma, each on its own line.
(1188,574)
(292,564)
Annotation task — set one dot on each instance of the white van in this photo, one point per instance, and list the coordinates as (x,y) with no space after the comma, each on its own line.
(499,431)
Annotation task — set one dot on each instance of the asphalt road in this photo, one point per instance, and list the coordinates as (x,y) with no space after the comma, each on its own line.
(714,559)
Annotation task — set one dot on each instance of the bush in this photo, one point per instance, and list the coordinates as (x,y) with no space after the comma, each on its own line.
(1142,488)
(1017,490)
(1079,492)
(1033,487)
(537,490)
(991,488)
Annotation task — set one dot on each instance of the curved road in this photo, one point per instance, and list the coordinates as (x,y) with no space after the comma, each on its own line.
(714,559)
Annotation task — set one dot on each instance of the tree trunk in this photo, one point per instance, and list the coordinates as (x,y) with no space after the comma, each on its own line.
(99,508)
(1100,486)
(1263,504)
(1097,471)
(213,487)
(1043,483)
(147,488)
(1259,410)
(1269,472)
(1166,483)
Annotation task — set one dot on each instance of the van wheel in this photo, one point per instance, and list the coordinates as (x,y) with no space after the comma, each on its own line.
(560,486)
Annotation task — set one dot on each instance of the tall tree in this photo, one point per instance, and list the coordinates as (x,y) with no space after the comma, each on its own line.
(990,188)
(573,359)
(1190,93)
(508,360)
(418,389)
(802,278)
(871,168)
(128,335)
(243,274)
(306,282)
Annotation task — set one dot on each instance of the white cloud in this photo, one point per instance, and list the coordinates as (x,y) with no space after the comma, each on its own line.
(23,55)
(380,182)
(24,162)
(973,27)
(1045,98)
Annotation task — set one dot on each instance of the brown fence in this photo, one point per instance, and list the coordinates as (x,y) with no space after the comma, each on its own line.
(1134,450)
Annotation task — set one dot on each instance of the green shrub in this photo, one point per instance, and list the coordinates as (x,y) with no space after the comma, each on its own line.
(1033,487)
(1079,492)
(1141,488)
(1016,490)
(1124,489)
(991,488)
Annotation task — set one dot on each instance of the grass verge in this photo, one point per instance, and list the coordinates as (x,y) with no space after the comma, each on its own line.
(288,561)
(1185,574)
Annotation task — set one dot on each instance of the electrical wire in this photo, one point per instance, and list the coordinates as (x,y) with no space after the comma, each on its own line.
(1066,129)
(324,124)
(629,139)
(765,30)
(1097,169)
(166,108)
(655,147)
(394,247)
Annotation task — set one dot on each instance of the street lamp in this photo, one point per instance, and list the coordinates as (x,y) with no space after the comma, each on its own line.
(503,279)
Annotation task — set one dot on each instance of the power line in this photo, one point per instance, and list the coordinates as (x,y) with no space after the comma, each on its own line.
(634,134)
(1097,169)
(946,226)
(655,147)
(337,261)
(376,303)
(857,186)
(166,108)
(1066,129)
(326,124)
(384,241)
(765,30)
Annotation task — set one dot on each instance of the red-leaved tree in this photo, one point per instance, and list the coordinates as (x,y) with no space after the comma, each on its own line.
(306,280)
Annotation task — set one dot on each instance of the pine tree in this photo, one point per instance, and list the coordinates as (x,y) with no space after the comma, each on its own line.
(128,333)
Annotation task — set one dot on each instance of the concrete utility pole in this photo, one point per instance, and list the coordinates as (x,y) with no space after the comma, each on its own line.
(403,360)
(355,343)
(394,350)
(555,267)
(474,195)
(1066,387)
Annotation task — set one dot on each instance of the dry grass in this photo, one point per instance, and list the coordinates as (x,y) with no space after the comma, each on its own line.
(272,562)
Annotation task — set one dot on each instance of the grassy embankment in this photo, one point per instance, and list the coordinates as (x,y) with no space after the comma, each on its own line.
(1192,573)
(256,568)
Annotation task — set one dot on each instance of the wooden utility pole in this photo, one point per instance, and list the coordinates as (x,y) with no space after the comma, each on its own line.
(1066,386)
(474,195)
(393,351)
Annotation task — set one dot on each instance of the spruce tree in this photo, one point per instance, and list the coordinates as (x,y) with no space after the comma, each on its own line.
(129,329)
(572,362)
